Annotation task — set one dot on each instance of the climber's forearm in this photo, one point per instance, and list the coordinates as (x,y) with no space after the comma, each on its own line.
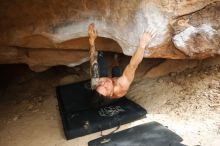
(94,69)
(137,57)
(93,54)
(130,69)
(93,62)
(92,51)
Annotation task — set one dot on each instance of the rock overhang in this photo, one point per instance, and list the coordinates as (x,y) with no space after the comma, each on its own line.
(54,26)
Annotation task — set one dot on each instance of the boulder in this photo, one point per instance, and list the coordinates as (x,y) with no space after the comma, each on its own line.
(54,32)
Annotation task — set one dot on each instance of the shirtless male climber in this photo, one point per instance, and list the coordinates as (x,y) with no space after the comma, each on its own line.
(117,85)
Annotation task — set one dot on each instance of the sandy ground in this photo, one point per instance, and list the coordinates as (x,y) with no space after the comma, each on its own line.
(188,103)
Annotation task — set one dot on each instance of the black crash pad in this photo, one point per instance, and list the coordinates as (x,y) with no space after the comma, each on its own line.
(149,134)
(80,118)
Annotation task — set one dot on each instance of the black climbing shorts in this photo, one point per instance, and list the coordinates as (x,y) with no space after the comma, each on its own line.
(116,71)
(102,65)
(103,68)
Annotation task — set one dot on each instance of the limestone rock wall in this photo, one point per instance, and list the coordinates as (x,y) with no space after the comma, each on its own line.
(47,33)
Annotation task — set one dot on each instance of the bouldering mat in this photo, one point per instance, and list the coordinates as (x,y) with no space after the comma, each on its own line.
(79,118)
(148,134)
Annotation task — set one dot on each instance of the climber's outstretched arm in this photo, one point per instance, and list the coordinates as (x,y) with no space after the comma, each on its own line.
(94,71)
(137,57)
(92,36)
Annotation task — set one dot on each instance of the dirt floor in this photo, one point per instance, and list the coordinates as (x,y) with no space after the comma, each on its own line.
(188,103)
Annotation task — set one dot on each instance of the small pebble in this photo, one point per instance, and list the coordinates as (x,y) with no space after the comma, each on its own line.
(173,74)
(30,107)
(160,81)
(36,110)
(15,118)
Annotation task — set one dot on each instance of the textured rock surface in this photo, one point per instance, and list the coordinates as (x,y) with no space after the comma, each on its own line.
(198,34)
(46,33)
